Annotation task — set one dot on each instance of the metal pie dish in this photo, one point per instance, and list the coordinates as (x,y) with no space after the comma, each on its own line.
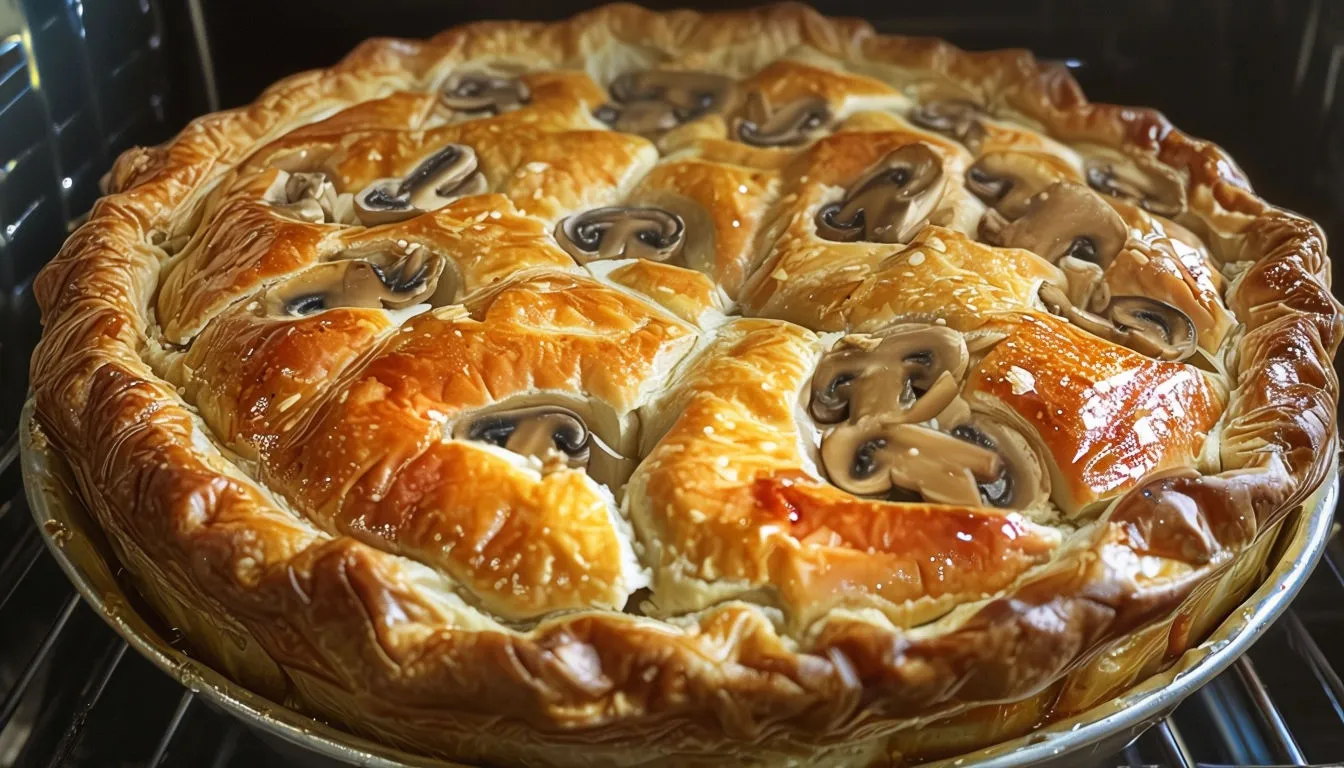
(1289,551)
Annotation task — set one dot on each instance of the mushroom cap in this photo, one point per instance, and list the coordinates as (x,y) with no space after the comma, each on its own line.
(1067,219)
(1144,324)
(654,101)
(1023,481)
(1158,190)
(622,232)
(960,119)
(309,196)
(1154,328)
(397,283)
(889,203)
(888,376)
(482,92)
(642,117)
(545,432)
(874,458)
(793,123)
(1007,179)
(449,173)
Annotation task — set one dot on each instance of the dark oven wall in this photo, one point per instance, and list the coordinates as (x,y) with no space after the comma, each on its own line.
(79,83)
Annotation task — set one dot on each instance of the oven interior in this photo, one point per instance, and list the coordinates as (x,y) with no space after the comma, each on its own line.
(82,81)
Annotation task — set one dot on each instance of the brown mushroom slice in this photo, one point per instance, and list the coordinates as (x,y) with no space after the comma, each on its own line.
(1154,328)
(891,202)
(1067,220)
(483,93)
(410,280)
(958,118)
(444,176)
(1162,194)
(1007,180)
(656,101)
(1145,325)
(646,118)
(1022,481)
(901,375)
(875,459)
(792,124)
(622,232)
(311,197)
(545,432)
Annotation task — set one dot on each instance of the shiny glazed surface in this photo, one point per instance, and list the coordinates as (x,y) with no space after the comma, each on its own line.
(494,379)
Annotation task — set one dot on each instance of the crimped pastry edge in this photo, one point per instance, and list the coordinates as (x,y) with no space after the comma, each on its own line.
(762,697)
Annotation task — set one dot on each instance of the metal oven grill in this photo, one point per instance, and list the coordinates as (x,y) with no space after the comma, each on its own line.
(80,82)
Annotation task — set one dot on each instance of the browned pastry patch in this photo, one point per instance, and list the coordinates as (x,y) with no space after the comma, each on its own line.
(1109,415)
(418,392)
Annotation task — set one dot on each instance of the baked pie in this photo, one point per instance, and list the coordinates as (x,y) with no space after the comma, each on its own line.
(677,387)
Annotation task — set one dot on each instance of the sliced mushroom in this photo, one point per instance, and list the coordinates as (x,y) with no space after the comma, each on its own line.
(1153,327)
(546,432)
(1145,325)
(1066,220)
(622,232)
(960,119)
(481,92)
(1006,180)
(1022,480)
(311,197)
(906,374)
(794,123)
(1159,193)
(891,202)
(656,101)
(1085,283)
(442,177)
(875,458)
(412,279)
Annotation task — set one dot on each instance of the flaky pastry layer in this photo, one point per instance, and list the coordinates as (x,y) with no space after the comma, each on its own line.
(315,499)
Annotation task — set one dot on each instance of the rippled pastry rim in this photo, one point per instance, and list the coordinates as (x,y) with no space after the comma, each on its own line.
(92,386)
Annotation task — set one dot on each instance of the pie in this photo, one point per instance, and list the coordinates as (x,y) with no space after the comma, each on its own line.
(686,388)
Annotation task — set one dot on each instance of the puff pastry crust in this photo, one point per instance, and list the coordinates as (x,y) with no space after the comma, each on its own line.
(655,387)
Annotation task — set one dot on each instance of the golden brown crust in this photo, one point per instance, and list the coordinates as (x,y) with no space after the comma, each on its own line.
(1108,416)
(283,488)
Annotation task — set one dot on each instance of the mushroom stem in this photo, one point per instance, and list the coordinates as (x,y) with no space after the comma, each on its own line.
(793,123)
(890,374)
(653,102)
(439,179)
(479,92)
(962,120)
(891,202)
(873,459)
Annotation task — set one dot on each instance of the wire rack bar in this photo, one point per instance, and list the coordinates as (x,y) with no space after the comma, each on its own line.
(1173,745)
(88,699)
(18,562)
(1302,641)
(10,702)
(9,453)
(175,722)
(227,746)
(1281,739)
